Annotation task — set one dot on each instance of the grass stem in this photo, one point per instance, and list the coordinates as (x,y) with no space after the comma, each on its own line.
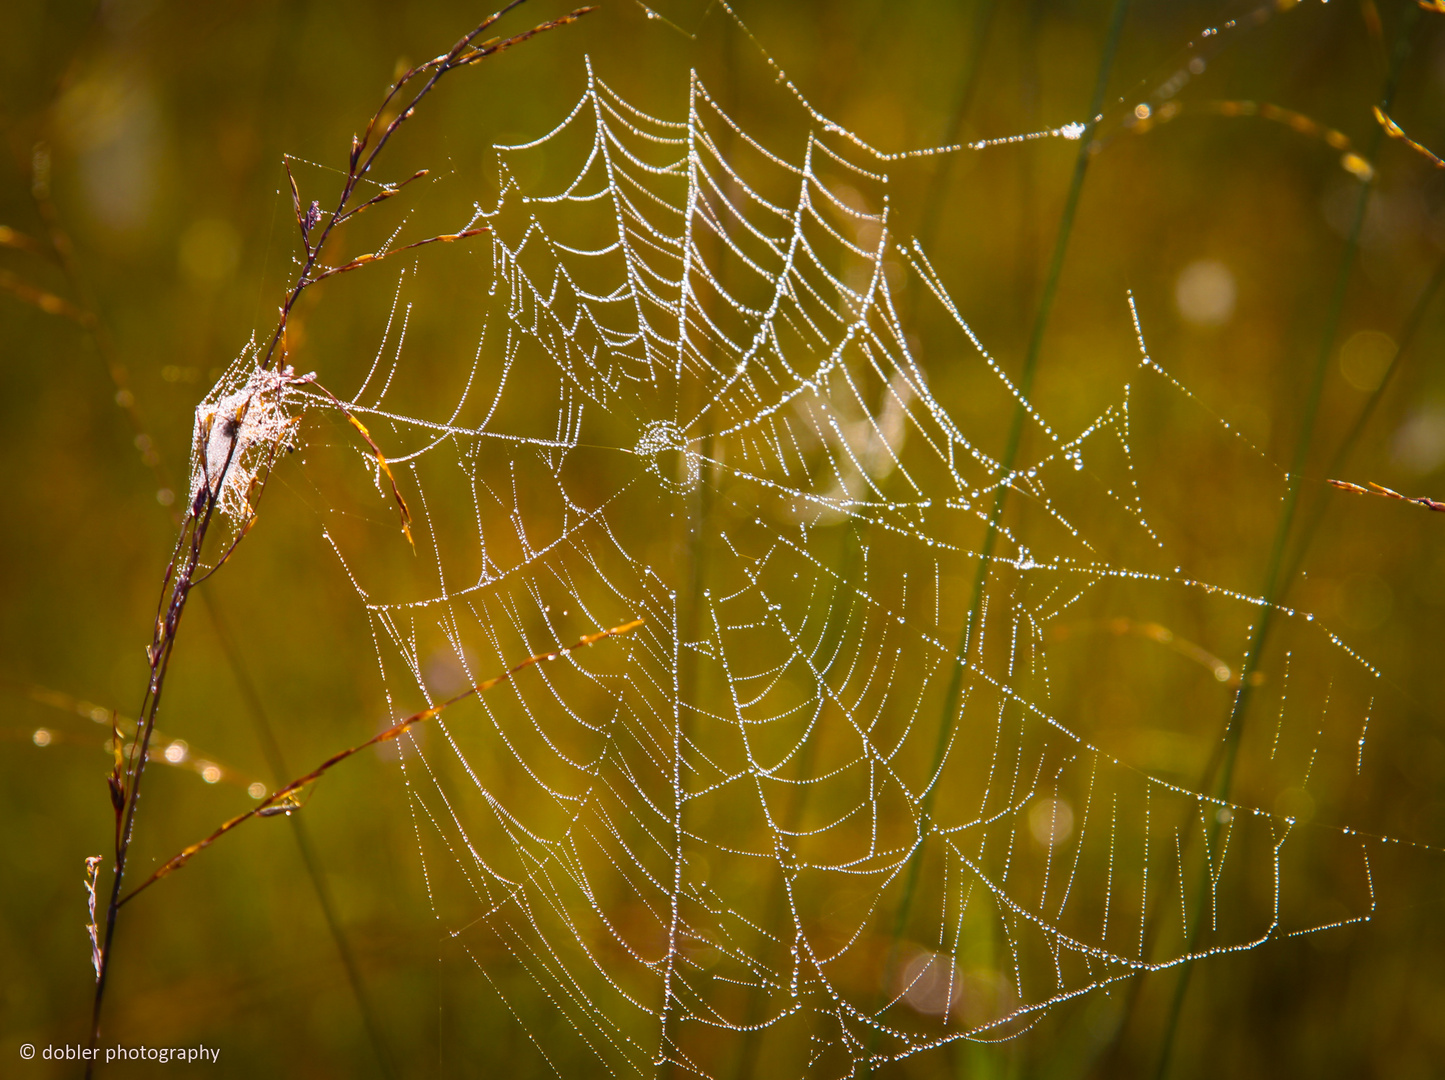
(276,761)
(952,696)
(1219,775)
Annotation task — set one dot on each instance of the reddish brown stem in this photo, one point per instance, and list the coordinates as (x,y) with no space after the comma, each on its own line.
(1389,493)
(363,155)
(284,799)
(180,575)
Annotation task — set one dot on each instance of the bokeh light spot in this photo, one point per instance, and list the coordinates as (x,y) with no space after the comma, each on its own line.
(1205,293)
(1365,358)
(1051,821)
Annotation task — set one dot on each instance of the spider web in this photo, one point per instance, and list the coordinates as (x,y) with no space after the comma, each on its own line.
(698,400)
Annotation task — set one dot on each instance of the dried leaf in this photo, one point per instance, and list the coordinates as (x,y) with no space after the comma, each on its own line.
(1394,130)
(296,205)
(381,461)
(92,869)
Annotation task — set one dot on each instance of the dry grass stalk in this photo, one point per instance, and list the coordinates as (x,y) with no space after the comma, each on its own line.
(181,573)
(285,799)
(57,249)
(1395,131)
(364,154)
(1388,493)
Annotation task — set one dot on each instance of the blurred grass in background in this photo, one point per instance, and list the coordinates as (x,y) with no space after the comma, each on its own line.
(166,124)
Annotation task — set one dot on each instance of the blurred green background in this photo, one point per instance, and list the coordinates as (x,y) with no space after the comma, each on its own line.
(160,127)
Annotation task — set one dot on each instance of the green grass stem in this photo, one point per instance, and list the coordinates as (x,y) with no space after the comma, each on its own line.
(951,699)
(276,762)
(1220,773)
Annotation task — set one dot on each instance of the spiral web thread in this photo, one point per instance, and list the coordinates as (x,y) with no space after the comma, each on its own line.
(696,400)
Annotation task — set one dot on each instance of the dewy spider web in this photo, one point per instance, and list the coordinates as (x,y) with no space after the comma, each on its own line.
(696,401)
